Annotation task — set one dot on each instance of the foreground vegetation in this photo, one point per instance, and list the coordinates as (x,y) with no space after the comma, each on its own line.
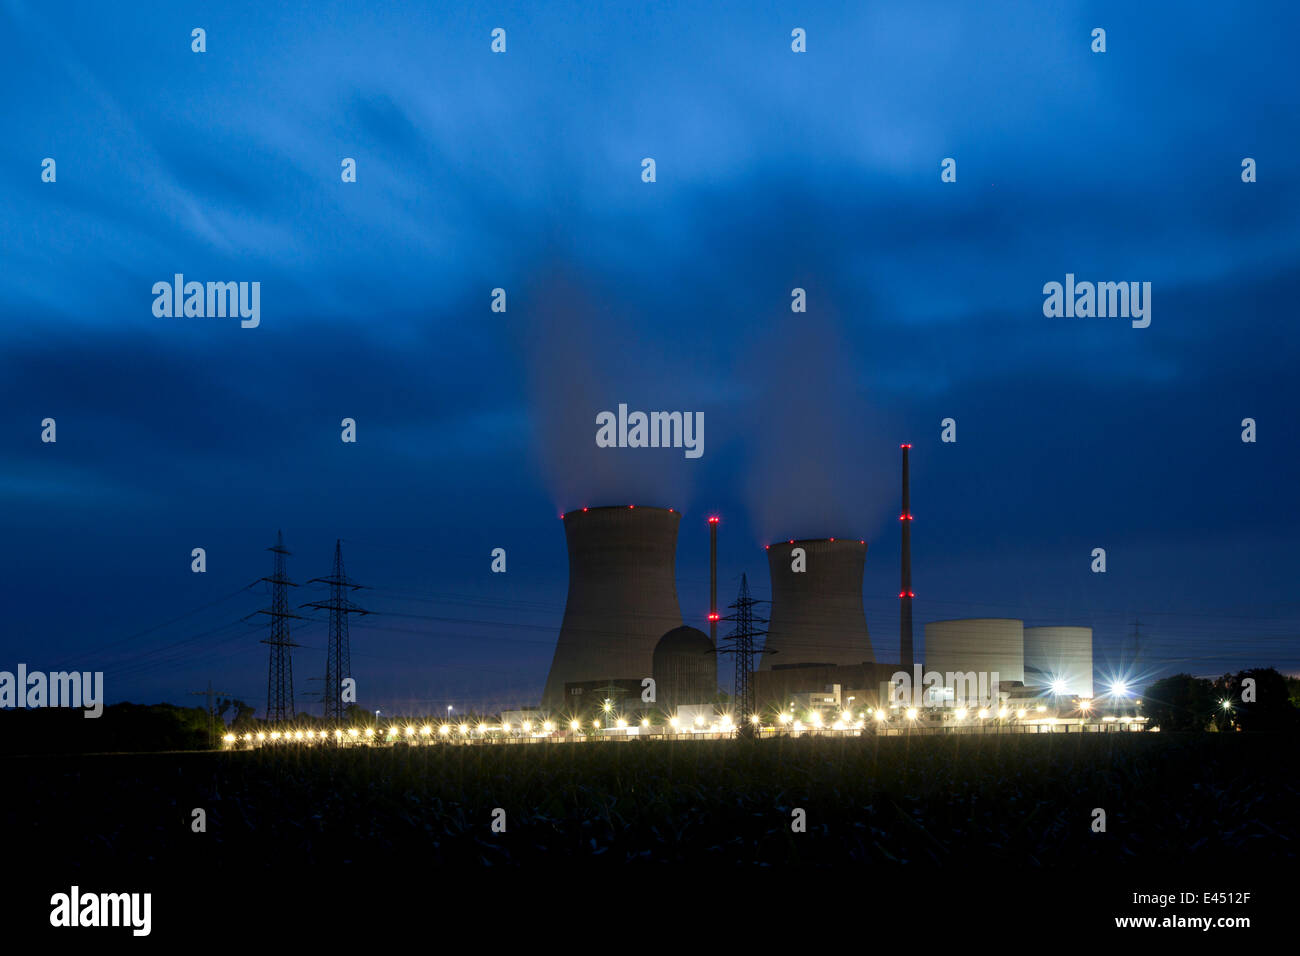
(1196,798)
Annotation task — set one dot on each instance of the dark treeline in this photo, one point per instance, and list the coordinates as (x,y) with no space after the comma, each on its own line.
(135,728)
(1228,703)
(121,727)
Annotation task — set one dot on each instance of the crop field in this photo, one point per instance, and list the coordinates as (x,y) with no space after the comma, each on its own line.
(1204,799)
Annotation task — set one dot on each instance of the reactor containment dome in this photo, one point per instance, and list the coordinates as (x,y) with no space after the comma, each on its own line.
(993,645)
(1058,660)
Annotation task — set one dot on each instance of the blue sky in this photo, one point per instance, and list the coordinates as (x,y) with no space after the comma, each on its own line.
(522,171)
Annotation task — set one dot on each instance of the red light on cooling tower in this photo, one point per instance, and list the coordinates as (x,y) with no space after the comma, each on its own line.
(904,446)
(713,520)
(715,617)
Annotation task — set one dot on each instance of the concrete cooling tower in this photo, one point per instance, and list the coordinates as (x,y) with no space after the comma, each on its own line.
(622,596)
(817,615)
(981,644)
(1059,660)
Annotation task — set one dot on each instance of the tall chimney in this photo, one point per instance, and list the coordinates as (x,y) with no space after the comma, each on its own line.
(713,580)
(905,591)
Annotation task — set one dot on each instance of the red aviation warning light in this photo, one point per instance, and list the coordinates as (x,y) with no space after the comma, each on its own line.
(713,520)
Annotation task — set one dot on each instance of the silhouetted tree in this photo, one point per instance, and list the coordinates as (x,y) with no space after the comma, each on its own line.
(1271,710)
(1180,702)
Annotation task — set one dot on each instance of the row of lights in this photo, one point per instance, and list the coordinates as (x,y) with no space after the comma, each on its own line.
(846,721)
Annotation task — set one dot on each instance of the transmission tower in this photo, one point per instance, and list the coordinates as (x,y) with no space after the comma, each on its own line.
(338,660)
(212,713)
(740,642)
(279,677)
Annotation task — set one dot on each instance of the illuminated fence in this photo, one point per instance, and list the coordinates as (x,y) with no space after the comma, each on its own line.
(872,722)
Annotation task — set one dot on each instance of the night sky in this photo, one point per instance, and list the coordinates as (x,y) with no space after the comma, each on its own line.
(522,171)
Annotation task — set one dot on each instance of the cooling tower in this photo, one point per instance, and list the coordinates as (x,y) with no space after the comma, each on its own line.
(622,596)
(980,644)
(685,669)
(817,615)
(1061,654)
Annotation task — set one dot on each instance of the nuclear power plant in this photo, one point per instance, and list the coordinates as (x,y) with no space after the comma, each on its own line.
(622,627)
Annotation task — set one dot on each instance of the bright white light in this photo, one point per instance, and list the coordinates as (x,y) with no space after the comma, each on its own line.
(784,718)
(464,728)
(444,730)
(505,726)
(528,725)
(230,738)
(645,721)
(983,714)
(548,726)
(1119,689)
(699,721)
(673,723)
(426,730)
(370,731)
(961,713)
(261,736)
(880,715)
(1058,686)
(1020,712)
(622,725)
(574,725)
(354,732)
(911,713)
(1002,711)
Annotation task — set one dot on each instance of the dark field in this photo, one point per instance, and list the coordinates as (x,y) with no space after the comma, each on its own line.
(1202,800)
